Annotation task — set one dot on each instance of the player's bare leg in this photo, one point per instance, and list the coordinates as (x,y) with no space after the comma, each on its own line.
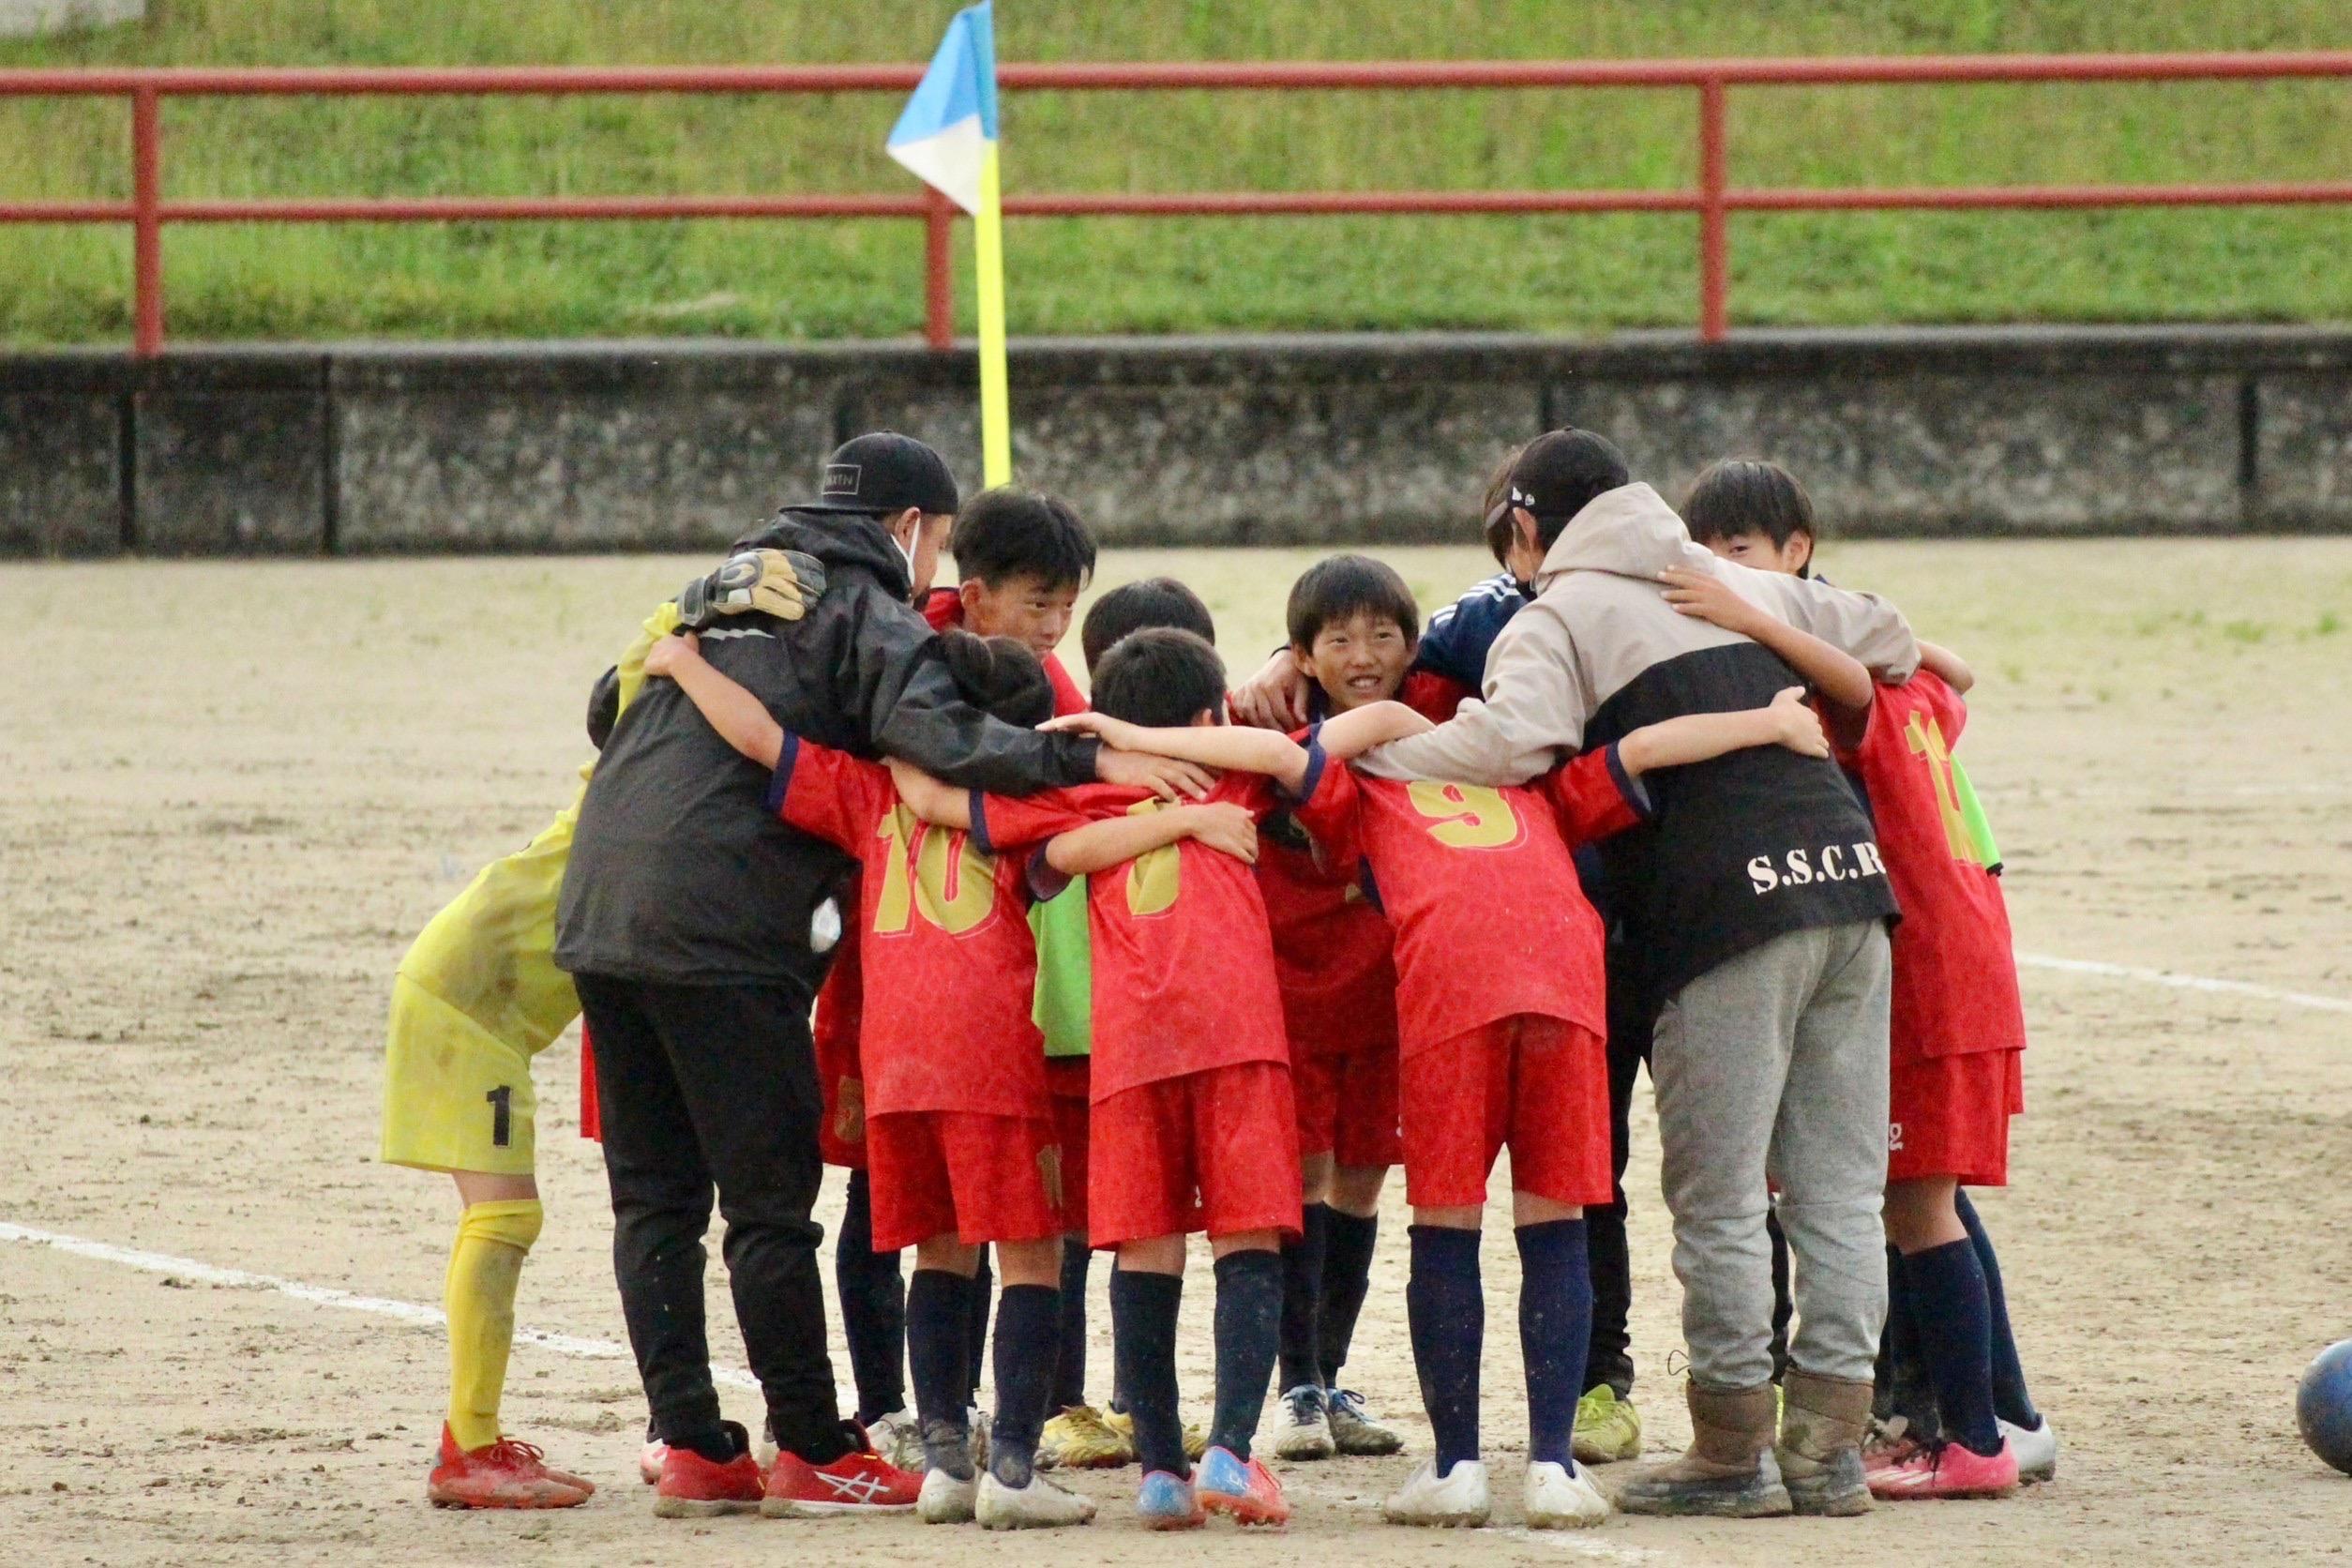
(1945,1288)
(480,1466)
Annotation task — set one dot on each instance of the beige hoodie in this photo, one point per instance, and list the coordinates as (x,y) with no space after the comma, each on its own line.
(1599,621)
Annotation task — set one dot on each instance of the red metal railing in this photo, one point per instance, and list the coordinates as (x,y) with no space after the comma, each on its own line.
(1712,200)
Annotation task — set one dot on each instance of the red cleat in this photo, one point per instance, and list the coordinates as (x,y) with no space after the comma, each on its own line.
(859,1482)
(1947,1470)
(505,1474)
(693,1487)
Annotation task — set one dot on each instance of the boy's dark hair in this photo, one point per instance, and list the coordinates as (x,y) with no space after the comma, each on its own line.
(1002,676)
(1005,532)
(1336,588)
(1558,476)
(1748,495)
(1161,678)
(1156,601)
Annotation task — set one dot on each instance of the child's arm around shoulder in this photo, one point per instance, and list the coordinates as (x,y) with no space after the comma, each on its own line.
(1220,825)
(1675,743)
(1844,684)
(742,720)
(936,801)
(1950,666)
(1249,751)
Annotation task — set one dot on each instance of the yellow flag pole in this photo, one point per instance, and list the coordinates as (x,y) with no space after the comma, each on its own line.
(988,246)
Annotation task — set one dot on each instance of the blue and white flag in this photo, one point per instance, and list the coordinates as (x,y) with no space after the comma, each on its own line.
(947,135)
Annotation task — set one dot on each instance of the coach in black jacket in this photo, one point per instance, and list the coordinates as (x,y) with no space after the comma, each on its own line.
(684,921)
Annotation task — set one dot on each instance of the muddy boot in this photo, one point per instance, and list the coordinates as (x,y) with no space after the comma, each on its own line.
(1730,1471)
(1820,1443)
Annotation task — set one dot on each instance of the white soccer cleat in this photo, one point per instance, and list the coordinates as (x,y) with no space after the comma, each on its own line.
(1039,1505)
(1302,1427)
(1560,1498)
(2037,1451)
(898,1437)
(944,1499)
(1457,1501)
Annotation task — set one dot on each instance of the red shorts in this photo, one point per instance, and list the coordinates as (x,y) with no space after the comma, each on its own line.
(1539,1085)
(985,1178)
(1067,1080)
(1948,1116)
(1214,1151)
(1348,1104)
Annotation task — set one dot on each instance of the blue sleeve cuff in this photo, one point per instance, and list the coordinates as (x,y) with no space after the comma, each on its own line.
(978,832)
(1316,760)
(1044,882)
(780,781)
(1631,787)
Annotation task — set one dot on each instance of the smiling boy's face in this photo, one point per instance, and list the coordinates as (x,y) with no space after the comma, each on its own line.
(1024,606)
(1359,660)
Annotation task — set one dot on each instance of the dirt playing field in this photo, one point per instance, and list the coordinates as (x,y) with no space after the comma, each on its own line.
(231,793)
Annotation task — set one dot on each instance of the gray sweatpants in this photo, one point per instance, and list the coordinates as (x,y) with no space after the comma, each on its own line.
(1774,1065)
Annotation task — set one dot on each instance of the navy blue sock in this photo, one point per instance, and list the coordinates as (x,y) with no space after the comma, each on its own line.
(1910,1391)
(1947,1287)
(1348,1243)
(873,1308)
(1028,1321)
(1303,1298)
(976,1328)
(2011,1401)
(938,1304)
(1143,1311)
(1446,1308)
(1249,1333)
(1555,1331)
(1069,1364)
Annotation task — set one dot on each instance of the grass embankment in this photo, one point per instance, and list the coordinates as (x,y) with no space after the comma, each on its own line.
(864,278)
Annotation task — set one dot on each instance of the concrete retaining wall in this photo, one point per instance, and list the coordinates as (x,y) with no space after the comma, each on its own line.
(580,446)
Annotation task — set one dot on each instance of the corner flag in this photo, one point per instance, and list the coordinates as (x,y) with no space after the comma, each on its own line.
(948,136)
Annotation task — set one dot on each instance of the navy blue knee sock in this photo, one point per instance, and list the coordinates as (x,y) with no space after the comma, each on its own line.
(1303,1298)
(1446,1307)
(1143,1311)
(873,1308)
(1249,1333)
(976,1326)
(2011,1401)
(1555,1331)
(1069,1364)
(1028,1321)
(939,1306)
(1948,1305)
(1348,1243)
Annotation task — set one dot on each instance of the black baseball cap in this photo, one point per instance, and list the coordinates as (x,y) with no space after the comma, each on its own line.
(884,473)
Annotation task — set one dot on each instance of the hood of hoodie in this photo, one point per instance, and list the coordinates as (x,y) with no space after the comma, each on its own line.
(839,539)
(1629,531)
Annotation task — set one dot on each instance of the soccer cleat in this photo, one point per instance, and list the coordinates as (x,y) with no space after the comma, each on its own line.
(1166,1502)
(649,1457)
(1354,1430)
(1039,1505)
(694,1487)
(1562,1498)
(1080,1439)
(1608,1429)
(859,1482)
(1121,1422)
(504,1474)
(2037,1451)
(1243,1490)
(1948,1469)
(945,1500)
(898,1437)
(1302,1427)
(1888,1447)
(1456,1501)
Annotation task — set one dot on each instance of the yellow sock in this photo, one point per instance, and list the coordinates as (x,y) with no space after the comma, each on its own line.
(480,1296)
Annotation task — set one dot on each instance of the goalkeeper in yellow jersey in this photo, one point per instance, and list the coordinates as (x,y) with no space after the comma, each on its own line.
(476,998)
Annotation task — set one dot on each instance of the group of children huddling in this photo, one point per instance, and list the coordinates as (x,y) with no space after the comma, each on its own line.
(1343,955)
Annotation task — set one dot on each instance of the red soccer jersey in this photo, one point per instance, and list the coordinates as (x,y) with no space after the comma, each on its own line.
(1482,891)
(1955,975)
(1183,962)
(944,607)
(1334,956)
(945,958)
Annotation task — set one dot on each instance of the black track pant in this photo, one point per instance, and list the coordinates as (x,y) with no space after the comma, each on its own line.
(703,1087)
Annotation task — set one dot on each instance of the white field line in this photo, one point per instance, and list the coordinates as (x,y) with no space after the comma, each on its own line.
(2183,982)
(412,1313)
